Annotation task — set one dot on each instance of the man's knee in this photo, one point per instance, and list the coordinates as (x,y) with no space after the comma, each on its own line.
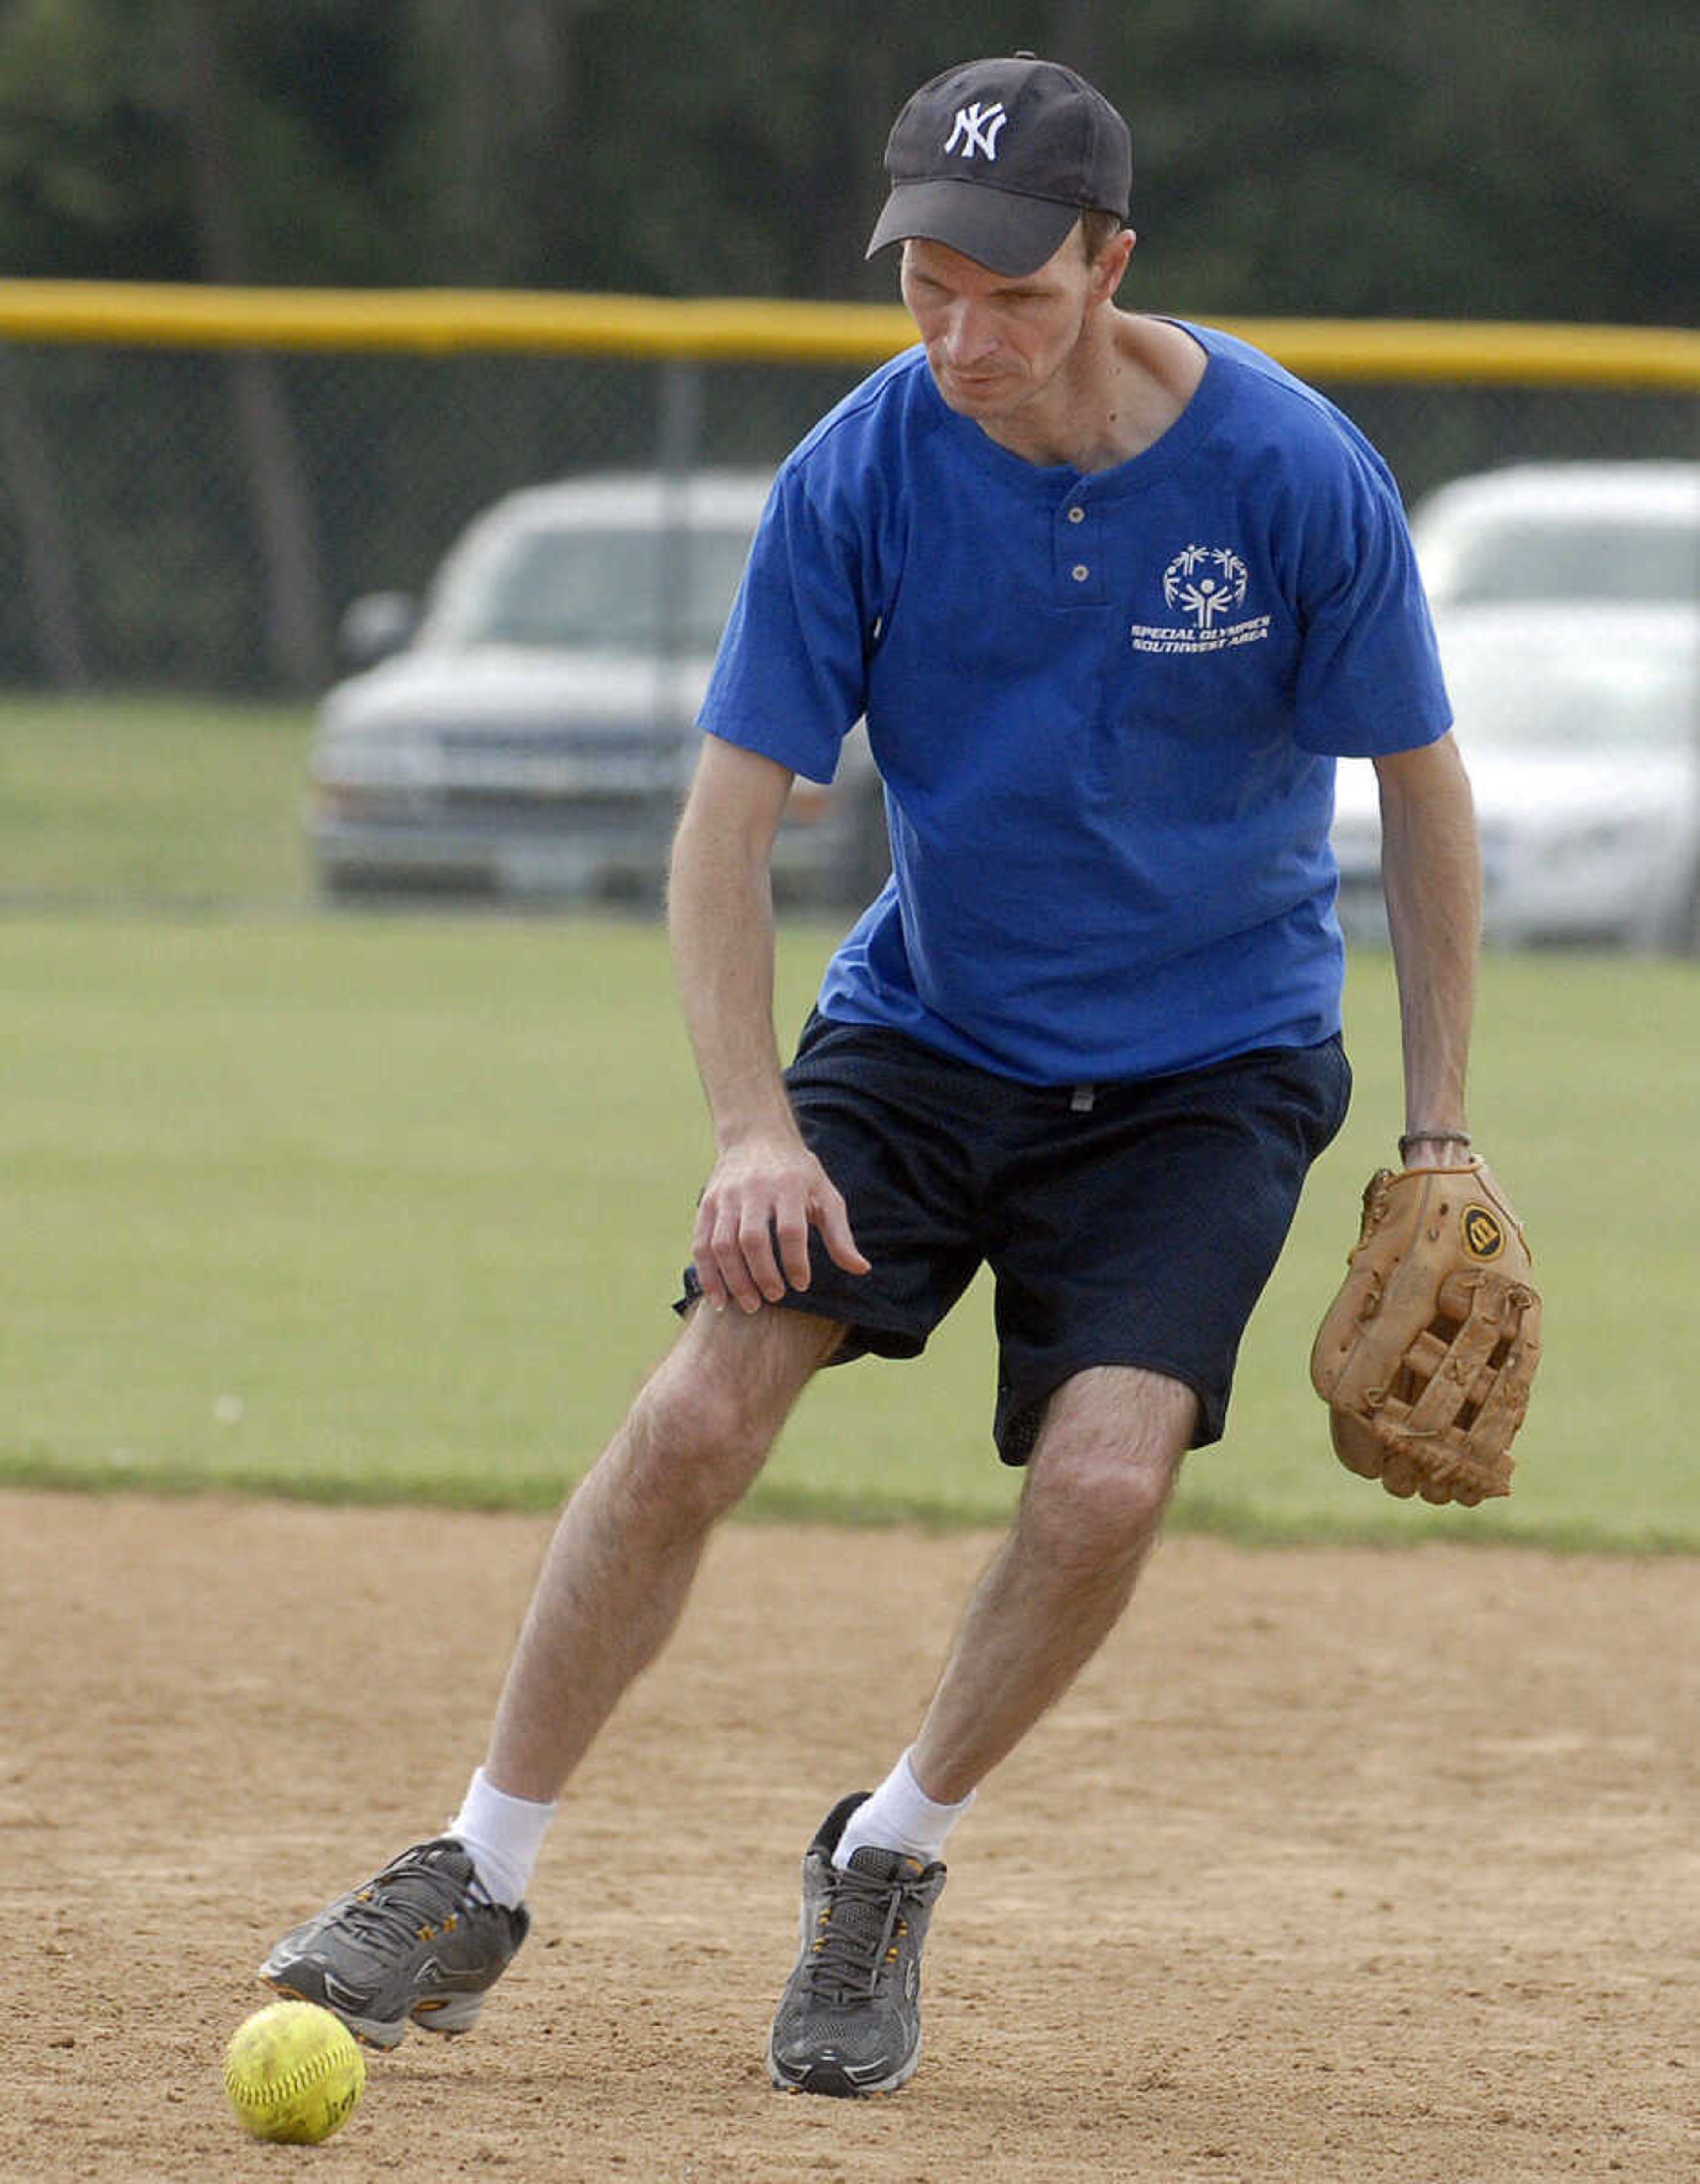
(1091,1509)
(696,1435)
(1105,1467)
(700,1430)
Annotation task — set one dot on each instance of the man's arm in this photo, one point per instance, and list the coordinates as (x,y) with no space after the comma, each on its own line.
(1431,877)
(766,1185)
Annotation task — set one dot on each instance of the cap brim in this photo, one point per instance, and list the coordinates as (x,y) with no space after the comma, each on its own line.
(998,230)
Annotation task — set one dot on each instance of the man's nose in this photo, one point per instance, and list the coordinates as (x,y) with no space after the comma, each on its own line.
(968,334)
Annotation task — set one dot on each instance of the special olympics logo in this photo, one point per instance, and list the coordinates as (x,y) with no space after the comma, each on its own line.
(1207,581)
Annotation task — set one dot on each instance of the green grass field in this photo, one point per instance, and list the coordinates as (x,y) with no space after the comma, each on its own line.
(162,800)
(378,1207)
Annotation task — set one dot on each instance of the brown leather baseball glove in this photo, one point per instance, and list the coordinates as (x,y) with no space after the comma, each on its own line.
(1426,1356)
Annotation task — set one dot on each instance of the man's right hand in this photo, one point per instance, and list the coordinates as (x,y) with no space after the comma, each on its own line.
(751,1241)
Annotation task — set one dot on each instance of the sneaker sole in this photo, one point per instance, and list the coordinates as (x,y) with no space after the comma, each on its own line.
(836,2082)
(447,2016)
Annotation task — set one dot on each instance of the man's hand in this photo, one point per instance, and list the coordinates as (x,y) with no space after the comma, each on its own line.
(766,1189)
(751,1241)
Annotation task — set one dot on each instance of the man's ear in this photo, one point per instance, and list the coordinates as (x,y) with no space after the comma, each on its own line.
(1111,263)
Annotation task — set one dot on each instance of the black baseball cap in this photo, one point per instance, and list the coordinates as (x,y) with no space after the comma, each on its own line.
(999,159)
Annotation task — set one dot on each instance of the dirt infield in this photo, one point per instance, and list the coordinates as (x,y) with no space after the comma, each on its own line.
(1338,1865)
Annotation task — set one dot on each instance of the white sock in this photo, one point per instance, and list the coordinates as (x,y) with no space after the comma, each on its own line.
(900,1815)
(504,1836)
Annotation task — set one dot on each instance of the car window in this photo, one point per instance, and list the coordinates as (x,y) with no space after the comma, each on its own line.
(1561,558)
(1512,693)
(615,590)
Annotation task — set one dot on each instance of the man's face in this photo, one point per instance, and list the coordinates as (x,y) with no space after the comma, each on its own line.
(995,344)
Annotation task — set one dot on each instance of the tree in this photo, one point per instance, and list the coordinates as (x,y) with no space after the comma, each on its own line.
(281,496)
(1503,158)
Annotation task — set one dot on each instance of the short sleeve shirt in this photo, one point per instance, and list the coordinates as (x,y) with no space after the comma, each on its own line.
(1106,706)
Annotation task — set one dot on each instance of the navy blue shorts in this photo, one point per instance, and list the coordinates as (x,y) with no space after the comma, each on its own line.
(1127,1223)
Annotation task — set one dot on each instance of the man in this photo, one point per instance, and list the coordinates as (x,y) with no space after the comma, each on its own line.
(1111,592)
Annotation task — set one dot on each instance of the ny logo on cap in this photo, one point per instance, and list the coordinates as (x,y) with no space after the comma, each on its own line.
(977,127)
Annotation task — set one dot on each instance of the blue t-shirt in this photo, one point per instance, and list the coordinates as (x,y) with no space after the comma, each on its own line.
(1106,706)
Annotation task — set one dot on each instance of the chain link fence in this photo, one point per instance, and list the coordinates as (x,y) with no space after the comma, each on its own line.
(198,519)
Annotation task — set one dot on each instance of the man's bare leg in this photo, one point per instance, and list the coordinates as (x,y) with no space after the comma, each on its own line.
(1097,1486)
(619,1566)
(849,2021)
(425,1941)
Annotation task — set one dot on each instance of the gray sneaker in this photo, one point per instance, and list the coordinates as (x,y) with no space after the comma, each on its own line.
(421,1942)
(849,2021)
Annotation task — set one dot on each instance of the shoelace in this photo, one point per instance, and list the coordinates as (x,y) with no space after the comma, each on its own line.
(414,1904)
(850,1952)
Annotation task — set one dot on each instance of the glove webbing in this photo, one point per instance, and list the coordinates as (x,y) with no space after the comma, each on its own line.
(1454,1373)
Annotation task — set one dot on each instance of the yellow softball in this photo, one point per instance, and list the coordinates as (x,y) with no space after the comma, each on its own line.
(293,2073)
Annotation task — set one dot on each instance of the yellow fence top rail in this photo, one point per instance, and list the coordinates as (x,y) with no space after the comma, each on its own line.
(447,320)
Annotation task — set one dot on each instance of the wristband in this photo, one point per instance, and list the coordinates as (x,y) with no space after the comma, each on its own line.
(1431,1138)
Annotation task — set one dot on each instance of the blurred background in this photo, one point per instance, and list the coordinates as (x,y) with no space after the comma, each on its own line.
(357,1204)
(192,519)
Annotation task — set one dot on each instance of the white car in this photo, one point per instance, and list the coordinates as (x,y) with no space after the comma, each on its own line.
(535,732)
(1579,727)
(1621,532)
